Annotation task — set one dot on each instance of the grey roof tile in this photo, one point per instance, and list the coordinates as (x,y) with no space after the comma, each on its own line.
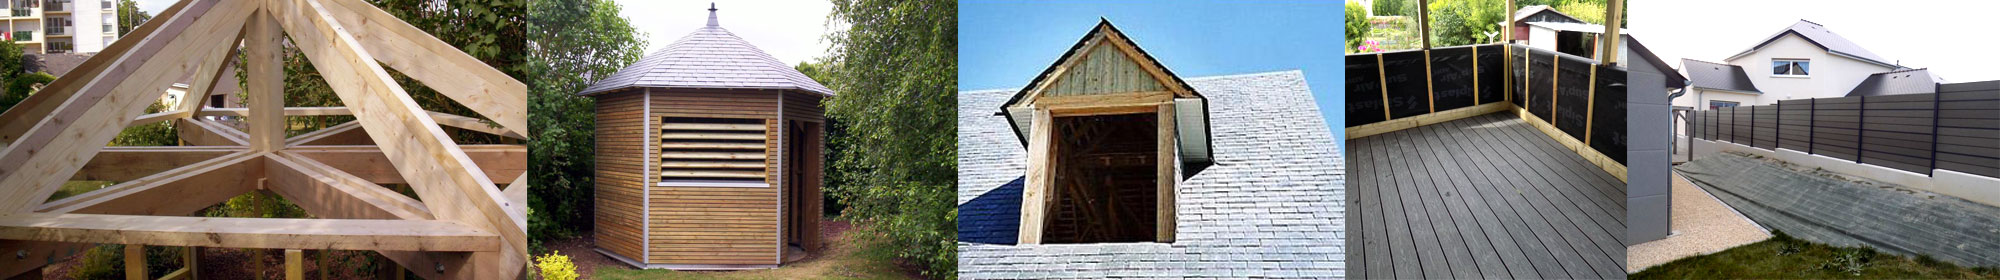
(1269,208)
(1819,35)
(1703,74)
(1907,81)
(709,58)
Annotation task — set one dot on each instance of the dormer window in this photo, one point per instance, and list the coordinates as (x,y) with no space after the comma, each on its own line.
(1784,67)
(1110,134)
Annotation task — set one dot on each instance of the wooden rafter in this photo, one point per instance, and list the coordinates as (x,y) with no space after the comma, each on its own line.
(72,134)
(441,66)
(336,234)
(368,162)
(17,120)
(120,164)
(454,188)
(464,228)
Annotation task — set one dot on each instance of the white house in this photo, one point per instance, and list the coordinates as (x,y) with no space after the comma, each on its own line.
(1805,60)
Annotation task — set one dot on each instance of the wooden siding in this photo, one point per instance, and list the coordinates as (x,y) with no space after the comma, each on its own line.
(620,172)
(1105,70)
(716,225)
(801,106)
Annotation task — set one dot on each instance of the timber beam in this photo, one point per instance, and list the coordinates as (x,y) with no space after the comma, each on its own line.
(259,233)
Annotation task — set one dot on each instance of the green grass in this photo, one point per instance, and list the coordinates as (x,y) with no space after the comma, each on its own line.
(1790,258)
(73,188)
(851,257)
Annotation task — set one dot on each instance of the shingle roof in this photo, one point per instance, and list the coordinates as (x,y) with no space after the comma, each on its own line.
(1712,75)
(1907,81)
(1820,36)
(709,58)
(1525,12)
(1270,208)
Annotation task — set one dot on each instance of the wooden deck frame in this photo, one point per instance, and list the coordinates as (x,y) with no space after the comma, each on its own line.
(465,228)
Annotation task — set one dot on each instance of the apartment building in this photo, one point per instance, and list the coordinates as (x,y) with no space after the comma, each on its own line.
(60,26)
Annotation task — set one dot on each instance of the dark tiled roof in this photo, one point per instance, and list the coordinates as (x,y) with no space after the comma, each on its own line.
(55,64)
(1270,208)
(1908,81)
(1524,13)
(1710,75)
(1818,35)
(709,58)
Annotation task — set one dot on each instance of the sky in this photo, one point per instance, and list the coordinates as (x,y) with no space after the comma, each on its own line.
(1003,45)
(792,31)
(1945,37)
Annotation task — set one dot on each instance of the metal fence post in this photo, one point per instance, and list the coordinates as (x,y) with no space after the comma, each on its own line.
(1860,127)
(1937,111)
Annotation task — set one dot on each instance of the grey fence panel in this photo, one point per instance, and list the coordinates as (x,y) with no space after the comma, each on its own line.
(1725,124)
(1968,128)
(1740,130)
(1836,127)
(1764,126)
(1897,131)
(1795,125)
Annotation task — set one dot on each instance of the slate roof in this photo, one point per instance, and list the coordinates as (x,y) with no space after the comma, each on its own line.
(1907,81)
(1710,75)
(1524,13)
(709,58)
(1270,208)
(1820,36)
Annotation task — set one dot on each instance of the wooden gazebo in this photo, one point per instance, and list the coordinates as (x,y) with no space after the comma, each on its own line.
(460,224)
(709,154)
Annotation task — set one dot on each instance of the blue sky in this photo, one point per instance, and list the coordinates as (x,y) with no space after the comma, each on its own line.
(1004,44)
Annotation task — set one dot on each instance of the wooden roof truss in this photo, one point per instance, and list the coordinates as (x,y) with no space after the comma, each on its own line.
(463,227)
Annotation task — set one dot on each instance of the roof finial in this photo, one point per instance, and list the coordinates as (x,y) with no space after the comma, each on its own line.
(711,14)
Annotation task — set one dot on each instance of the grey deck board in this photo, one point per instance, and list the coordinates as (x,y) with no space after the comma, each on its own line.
(1519,219)
(1423,227)
(1481,197)
(1463,229)
(1402,243)
(1485,249)
(1598,225)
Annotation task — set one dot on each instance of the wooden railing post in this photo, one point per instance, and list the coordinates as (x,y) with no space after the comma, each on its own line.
(294,265)
(1383,77)
(135,262)
(1430,90)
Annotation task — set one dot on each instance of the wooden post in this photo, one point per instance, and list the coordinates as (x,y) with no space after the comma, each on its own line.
(261,41)
(1613,14)
(1475,75)
(1555,85)
(1424,21)
(1035,195)
(193,262)
(322,261)
(1590,108)
(1383,77)
(1508,31)
(294,264)
(1167,181)
(1430,91)
(135,262)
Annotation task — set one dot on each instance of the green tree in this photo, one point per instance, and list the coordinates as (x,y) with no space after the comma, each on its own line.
(895,67)
(1357,25)
(130,16)
(19,87)
(573,44)
(1392,8)
(1465,22)
(149,134)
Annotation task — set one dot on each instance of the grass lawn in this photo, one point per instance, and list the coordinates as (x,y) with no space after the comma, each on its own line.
(848,257)
(1790,258)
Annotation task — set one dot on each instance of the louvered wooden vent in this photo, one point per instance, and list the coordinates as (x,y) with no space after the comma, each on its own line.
(713,150)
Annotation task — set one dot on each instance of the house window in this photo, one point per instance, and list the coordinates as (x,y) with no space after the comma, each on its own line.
(1106,188)
(1712,104)
(1791,67)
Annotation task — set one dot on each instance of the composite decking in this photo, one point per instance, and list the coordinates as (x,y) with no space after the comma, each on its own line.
(1482,197)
